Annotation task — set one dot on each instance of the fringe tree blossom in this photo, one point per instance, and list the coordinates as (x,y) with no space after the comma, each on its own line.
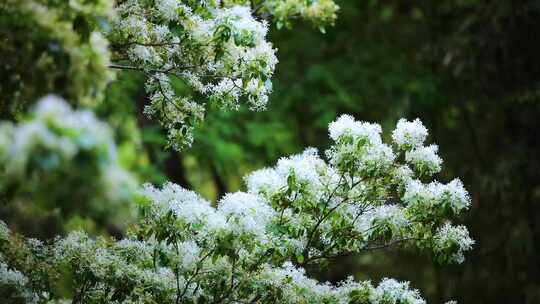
(246,213)
(220,52)
(424,159)
(409,134)
(254,246)
(435,197)
(217,48)
(451,242)
(16,284)
(59,145)
(347,127)
(392,291)
(390,217)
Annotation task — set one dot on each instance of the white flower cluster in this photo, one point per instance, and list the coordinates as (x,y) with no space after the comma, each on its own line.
(392,291)
(451,197)
(409,136)
(355,187)
(58,142)
(216,51)
(305,170)
(17,283)
(424,159)
(187,207)
(217,48)
(403,175)
(452,241)
(265,180)
(246,213)
(220,52)
(296,287)
(359,146)
(242,216)
(132,269)
(347,126)
(384,217)
(294,284)
(119,265)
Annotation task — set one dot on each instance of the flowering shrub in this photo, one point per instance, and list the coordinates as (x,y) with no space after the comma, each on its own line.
(218,49)
(47,160)
(253,247)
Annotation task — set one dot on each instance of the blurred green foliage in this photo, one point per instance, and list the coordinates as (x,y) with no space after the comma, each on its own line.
(61,169)
(52,46)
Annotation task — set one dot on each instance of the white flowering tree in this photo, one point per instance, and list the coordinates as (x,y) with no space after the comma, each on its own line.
(253,247)
(248,247)
(217,48)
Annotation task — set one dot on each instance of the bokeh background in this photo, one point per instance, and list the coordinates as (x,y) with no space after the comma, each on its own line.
(469,69)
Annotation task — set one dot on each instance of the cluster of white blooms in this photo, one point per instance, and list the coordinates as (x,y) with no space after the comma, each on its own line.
(355,187)
(297,287)
(451,197)
(409,134)
(392,291)
(382,218)
(221,53)
(189,254)
(253,247)
(305,168)
(455,195)
(246,212)
(60,144)
(217,48)
(359,146)
(131,270)
(346,126)
(216,51)
(122,267)
(403,175)
(16,284)
(451,242)
(192,211)
(265,181)
(424,159)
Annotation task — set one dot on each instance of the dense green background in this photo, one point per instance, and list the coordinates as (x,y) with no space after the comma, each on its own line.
(469,69)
